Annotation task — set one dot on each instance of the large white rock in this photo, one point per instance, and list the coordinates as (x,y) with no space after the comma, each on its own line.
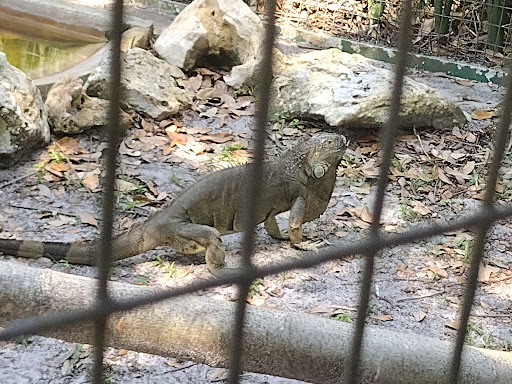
(23,125)
(147,84)
(70,111)
(225,29)
(348,91)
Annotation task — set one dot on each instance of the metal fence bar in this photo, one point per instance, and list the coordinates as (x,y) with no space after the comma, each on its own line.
(104,259)
(253,192)
(500,140)
(388,135)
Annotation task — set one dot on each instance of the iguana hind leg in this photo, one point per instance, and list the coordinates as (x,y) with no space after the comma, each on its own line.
(273,229)
(192,238)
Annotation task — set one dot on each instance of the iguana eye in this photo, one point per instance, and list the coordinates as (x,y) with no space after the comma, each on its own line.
(319,170)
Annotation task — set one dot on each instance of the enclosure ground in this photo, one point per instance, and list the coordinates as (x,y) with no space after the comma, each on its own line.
(417,288)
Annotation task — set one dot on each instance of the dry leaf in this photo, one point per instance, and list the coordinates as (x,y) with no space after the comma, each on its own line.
(420,207)
(217,374)
(59,167)
(210,112)
(438,271)
(180,274)
(383,317)
(484,273)
(482,115)
(452,325)
(419,316)
(122,352)
(87,218)
(91,181)
(366,215)
(468,168)
(126,223)
(194,83)
(124,186)
(68,145)
(204,94)
(176,138)
(257,301)
(154,141)
(470,137)
(219,138)
(464,82)
(45,191)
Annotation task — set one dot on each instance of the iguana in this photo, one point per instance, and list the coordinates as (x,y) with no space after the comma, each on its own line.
(301,181)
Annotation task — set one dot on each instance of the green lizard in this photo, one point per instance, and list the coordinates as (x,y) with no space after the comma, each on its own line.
(300,181)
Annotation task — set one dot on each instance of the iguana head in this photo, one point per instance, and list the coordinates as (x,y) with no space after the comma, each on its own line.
(322,152)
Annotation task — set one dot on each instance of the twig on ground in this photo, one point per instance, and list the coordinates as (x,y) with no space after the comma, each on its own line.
(18,179)
(420,297)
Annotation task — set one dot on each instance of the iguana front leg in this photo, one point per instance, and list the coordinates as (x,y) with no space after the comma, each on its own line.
(296,219)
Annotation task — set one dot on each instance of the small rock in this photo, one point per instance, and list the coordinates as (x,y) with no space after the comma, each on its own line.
(70,111)
(225,31)
(44,261)
(147,84)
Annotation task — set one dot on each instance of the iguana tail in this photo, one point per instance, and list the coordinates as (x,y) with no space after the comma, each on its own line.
(135,241)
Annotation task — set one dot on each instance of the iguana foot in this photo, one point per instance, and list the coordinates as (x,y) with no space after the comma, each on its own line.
(310,245)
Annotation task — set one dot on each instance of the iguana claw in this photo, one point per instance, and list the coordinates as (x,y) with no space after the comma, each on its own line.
(310,245)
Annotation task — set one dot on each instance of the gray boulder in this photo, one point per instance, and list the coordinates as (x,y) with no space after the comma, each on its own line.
(23,125)
(225,31)
(70,111)
(348,91)
(147,84)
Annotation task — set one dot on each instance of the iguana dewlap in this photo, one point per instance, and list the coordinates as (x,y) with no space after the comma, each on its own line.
(300,181)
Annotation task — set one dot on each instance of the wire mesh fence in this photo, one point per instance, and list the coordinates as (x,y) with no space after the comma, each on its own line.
(469,31)
(480,221)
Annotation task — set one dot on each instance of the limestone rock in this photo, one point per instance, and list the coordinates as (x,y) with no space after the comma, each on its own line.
(217,31)
(70,111)
(348,91)
(23,125)
(147,84)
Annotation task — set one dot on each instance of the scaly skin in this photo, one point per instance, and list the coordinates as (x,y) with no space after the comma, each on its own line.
(301,181)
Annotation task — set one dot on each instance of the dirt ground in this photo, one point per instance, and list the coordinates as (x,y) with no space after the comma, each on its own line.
(418,288)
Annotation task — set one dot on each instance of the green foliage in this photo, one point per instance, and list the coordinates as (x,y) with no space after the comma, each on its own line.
(406,212)
(342,317)
(227,152)
(283,119)
(174,178)
(466,245)
(255,287)
(57,156)
(23,340)
(372,310)
(169,268)
(141,280)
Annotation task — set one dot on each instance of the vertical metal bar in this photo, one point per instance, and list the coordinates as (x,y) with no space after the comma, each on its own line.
(104,260)
(481,231)
(387,137)
(253,191)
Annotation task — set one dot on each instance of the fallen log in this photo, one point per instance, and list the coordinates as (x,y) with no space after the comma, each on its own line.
(298,346)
